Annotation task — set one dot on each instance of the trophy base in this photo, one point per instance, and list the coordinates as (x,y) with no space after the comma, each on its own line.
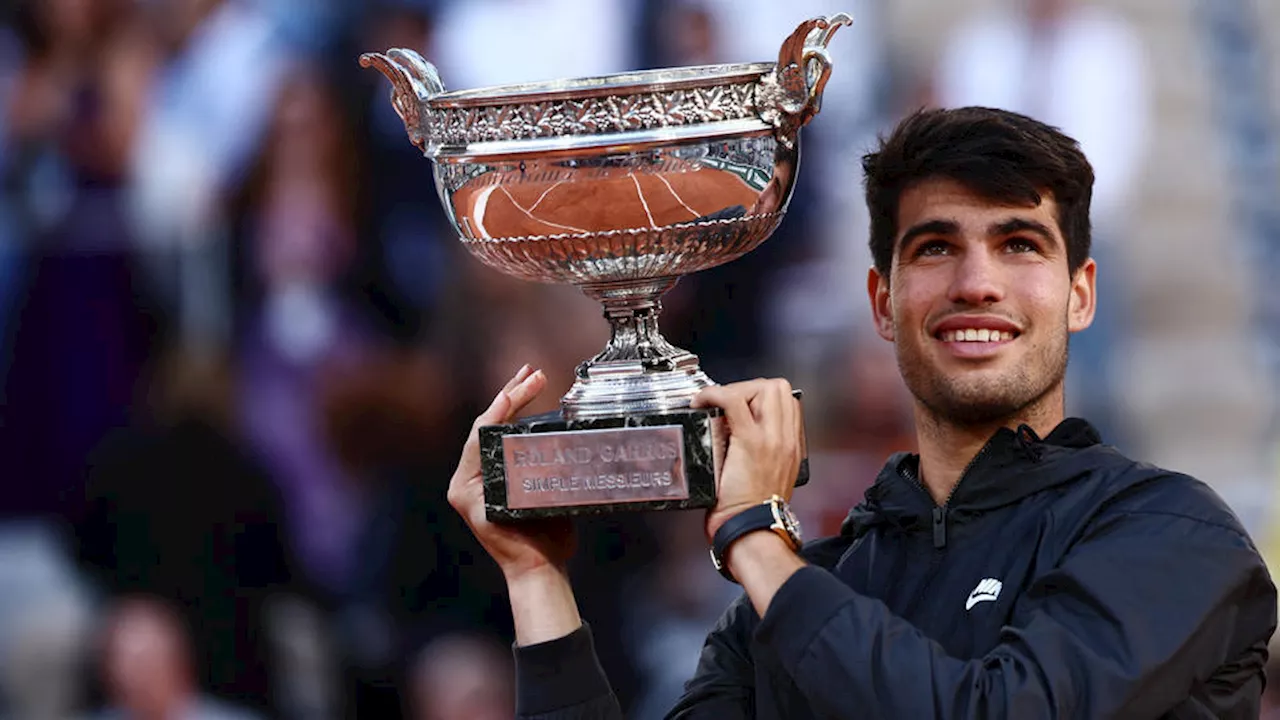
(549,466)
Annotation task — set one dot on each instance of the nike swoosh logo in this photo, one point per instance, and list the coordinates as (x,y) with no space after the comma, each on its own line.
(980,597)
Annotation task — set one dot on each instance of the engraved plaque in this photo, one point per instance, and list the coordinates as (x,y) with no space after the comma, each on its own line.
(595,467)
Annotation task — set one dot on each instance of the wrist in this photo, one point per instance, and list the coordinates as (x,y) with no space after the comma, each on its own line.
(717,518)
(762,562)
(755,547)
(773,515)
(535,575)
(543,606)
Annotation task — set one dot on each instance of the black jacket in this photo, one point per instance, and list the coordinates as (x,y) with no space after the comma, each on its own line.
(1060,580)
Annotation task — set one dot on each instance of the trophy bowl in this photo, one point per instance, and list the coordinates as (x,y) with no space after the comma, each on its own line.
(618,184)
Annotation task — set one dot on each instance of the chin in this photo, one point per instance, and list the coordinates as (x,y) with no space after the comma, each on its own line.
(985,400)
(965,406)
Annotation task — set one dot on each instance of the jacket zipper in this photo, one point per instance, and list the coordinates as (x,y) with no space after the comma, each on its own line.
(940,511)
(939,525)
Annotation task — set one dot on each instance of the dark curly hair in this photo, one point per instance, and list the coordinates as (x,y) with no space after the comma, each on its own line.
(1000,155)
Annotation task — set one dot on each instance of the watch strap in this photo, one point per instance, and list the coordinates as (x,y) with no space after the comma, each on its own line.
(753,519)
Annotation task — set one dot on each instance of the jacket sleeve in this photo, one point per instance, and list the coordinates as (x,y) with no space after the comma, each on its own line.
(562,679)
(1143,609)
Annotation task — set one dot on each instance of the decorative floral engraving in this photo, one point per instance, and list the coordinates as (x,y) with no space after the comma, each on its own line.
(591,116)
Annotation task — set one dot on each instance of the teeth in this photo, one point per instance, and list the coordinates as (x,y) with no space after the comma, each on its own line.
(976,335)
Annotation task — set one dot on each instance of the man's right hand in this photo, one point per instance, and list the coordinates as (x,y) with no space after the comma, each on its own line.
(522,549)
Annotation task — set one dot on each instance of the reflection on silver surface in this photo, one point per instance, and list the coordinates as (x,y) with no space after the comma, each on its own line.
(619,184)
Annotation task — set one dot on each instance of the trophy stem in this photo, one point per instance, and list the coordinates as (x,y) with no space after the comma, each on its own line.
(638,371)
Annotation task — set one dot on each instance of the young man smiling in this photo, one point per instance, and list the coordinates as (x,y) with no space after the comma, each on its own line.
(1015,567)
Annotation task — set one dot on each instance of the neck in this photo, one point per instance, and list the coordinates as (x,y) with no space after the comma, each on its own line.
(947,448)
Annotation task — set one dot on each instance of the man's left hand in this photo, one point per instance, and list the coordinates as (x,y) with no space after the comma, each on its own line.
(765,427)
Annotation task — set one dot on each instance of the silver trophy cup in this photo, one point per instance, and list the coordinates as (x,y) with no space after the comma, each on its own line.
(618,184)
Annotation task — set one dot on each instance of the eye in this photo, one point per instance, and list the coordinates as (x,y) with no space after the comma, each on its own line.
(1020,245)
(932,248)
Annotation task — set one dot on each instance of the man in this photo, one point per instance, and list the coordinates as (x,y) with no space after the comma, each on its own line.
(995,574)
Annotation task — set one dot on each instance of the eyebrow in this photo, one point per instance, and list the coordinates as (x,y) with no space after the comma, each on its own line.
(929,227)
(1014,226)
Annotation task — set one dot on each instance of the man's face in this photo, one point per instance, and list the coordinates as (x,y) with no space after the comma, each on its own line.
(980,302)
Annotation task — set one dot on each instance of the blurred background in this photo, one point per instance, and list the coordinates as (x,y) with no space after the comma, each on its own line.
(240,347)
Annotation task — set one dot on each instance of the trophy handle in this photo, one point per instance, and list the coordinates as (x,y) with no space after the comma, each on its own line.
(414,82)
(791,94)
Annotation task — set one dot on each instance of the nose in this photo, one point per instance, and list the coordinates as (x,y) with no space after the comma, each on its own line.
(977,280)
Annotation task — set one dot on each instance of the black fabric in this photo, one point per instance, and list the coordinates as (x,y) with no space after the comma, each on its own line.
(550,675)
(1060,579)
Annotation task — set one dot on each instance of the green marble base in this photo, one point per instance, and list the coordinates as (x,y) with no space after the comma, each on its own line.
(561,487)
(695,431)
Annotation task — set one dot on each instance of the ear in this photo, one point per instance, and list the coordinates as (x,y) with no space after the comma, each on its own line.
(1084,297)
(881,303)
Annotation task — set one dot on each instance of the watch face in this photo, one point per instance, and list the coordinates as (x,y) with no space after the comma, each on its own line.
(787,519)
(792,522)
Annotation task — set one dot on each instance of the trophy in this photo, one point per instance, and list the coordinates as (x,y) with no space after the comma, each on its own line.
(618,184)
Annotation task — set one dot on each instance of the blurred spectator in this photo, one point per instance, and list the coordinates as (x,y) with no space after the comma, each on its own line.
(462,677)
(354,432)
(413,252)
(569,38)
(148,668)
(1082,68)
(299,331)
(300,236)
(44,625)
(83,329)
(176,509)
(312,26)
(1077,65)
(221,67)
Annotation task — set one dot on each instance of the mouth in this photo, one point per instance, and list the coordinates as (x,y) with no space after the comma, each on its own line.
(977,339)
(976,335)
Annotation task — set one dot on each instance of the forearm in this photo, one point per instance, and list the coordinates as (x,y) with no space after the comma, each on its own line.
(762,562)
(543,606)
(558,675)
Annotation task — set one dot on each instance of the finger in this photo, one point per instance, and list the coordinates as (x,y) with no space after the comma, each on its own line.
(733,399)
(771,408)
(496,412)
(505,405)
(524,372)
(713,395)
(795,427)
(524,393)
(788,409)
(767,405)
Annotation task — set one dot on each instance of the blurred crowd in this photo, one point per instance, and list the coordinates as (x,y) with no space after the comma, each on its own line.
(240,347)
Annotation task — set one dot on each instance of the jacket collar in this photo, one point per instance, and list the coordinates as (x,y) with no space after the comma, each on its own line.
(1013,464)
